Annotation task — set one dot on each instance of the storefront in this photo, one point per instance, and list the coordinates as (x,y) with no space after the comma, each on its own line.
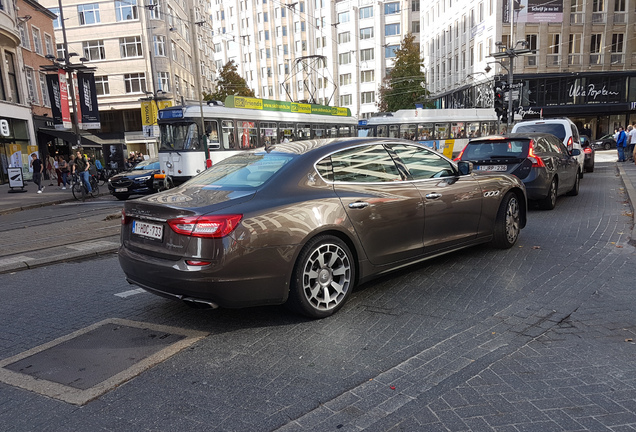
(17,142)
(595,101)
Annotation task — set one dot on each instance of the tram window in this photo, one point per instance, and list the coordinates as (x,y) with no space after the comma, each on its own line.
(319,131)
(212,132)
(457,130)
(383,132)
(286,132)
(408,131)
(394,131)
(485,130)
(473,130)
(269,132)
(303,131)
(344,131)
(229,138)
(425,131)
(332,132)
(365,132)
(248,135)
(441,130)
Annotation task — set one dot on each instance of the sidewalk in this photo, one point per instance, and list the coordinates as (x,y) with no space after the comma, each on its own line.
(627,171)
(98,238)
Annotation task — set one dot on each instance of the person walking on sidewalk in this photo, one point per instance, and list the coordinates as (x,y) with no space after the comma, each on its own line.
(81,167)
(631,139)
(38,169)
(64,170)
(621,144)
(50,169)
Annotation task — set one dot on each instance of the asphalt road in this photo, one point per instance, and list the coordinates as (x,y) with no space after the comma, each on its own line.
(533,338)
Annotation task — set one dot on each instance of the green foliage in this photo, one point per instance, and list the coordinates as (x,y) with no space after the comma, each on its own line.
(405,85)
(229,83)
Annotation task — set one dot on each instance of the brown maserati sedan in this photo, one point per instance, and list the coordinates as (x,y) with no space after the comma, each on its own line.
(301,223)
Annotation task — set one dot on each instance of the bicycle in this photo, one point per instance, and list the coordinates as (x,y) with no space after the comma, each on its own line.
(79,189)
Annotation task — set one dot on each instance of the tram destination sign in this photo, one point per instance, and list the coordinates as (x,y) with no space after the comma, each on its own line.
(284,106)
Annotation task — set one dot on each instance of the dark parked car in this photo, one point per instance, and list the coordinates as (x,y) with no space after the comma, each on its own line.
(606,142)
(540,160)
(589,152)
(301,223)
(137,181)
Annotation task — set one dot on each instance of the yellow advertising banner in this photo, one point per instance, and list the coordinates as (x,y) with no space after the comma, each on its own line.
(448,148)
(148,113)
(161,104)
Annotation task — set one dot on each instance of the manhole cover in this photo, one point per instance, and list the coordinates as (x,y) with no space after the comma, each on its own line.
(85,364)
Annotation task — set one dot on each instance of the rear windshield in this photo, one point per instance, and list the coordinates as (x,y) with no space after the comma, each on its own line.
(496,149)
(243,171)
(555,129)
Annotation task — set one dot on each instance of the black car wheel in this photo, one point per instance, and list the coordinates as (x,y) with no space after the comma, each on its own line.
(323,277)
(508,222)
(549,202)
(607,146)
(575,188)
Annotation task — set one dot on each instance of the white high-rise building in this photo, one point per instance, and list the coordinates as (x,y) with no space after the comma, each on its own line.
(332,53)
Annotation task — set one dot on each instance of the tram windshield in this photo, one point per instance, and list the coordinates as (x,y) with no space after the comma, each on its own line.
(180,137)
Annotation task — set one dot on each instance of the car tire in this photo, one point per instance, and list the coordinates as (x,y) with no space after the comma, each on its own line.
(507,223)
(591,168)
(575,188)
(323,277)
(607,146)
(549,202)
(122,197)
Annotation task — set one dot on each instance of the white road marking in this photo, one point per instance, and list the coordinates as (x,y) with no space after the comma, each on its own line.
(130,293)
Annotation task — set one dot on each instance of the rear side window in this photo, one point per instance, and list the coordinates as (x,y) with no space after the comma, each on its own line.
(555,129)
(496,149)
(368,164)
(423,163)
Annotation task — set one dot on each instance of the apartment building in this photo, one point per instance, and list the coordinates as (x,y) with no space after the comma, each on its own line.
(140,50)
(582,63)
(332,53)
(17,134)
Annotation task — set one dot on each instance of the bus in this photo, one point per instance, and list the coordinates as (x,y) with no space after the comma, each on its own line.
(445,130)
(241,123)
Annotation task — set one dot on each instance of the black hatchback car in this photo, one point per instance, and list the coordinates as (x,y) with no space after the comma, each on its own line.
(540,160)
(137,181)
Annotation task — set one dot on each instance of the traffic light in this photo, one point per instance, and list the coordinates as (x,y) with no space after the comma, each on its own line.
(499,102)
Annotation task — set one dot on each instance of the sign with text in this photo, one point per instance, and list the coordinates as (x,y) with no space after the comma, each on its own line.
(283,106)
(87,104)
(534,11)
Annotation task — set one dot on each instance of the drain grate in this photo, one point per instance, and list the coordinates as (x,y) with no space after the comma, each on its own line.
(86,364)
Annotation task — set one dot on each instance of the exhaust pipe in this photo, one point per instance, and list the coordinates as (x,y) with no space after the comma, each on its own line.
(195,302)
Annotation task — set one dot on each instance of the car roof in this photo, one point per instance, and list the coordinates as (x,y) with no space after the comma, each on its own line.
(519,135)
(330,145)
(554,120)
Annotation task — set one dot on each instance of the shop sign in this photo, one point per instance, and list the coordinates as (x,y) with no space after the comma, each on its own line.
(16,180)
(4,128)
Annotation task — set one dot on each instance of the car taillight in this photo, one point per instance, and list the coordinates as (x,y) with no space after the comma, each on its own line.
(213,226)
(570,142)
(125,220)
(537,162)
(587,150)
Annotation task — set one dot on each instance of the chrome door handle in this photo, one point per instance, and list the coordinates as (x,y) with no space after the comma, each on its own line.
(433,195)
(358,205)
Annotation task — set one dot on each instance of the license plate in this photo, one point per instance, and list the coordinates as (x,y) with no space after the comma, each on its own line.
(146,229)
(492,168)
(121,190)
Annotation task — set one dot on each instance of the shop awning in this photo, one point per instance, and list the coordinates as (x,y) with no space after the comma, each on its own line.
(87,139)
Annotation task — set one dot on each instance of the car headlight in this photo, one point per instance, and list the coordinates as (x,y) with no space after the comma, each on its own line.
(144,178)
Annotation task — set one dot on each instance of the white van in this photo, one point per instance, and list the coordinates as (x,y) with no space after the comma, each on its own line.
(562,128)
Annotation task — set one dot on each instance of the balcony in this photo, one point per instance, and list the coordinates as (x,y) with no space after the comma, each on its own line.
(577,18)
(617,58)
(620,17)
(574,59)
(553,60)
(596,59)
(599,18)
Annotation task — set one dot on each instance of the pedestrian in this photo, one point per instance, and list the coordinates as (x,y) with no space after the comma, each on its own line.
(71,167)
(81,167)
(58,173)
(50,169)
(64,170)
(631,139)
(38,169)
(621,144)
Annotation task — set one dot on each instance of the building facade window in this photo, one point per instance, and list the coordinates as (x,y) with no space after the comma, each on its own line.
(126,10)
(48,44)
(344,58)
(57,22)
(344,37)
(391,8)
(345,79)
(367,97)
(135,83)
(366,12)
(101,86)
(345,100)
(130,47)
(25,41)
(367,54)
(392,29)
(163,81)
(12,83)
(366,33)
(88,14)
(46,100)
(160,45)
(389,51)
(367,76)
(94,50)
(343,17)
(37,40)
(31,86)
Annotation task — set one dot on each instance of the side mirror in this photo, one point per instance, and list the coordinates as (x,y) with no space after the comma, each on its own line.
(464,167)
(575,152)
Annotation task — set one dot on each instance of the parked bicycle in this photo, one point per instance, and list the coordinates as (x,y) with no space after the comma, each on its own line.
(104,174)
(79,188)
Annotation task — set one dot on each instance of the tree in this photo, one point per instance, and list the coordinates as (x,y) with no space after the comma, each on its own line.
(229,83)
(404,86)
